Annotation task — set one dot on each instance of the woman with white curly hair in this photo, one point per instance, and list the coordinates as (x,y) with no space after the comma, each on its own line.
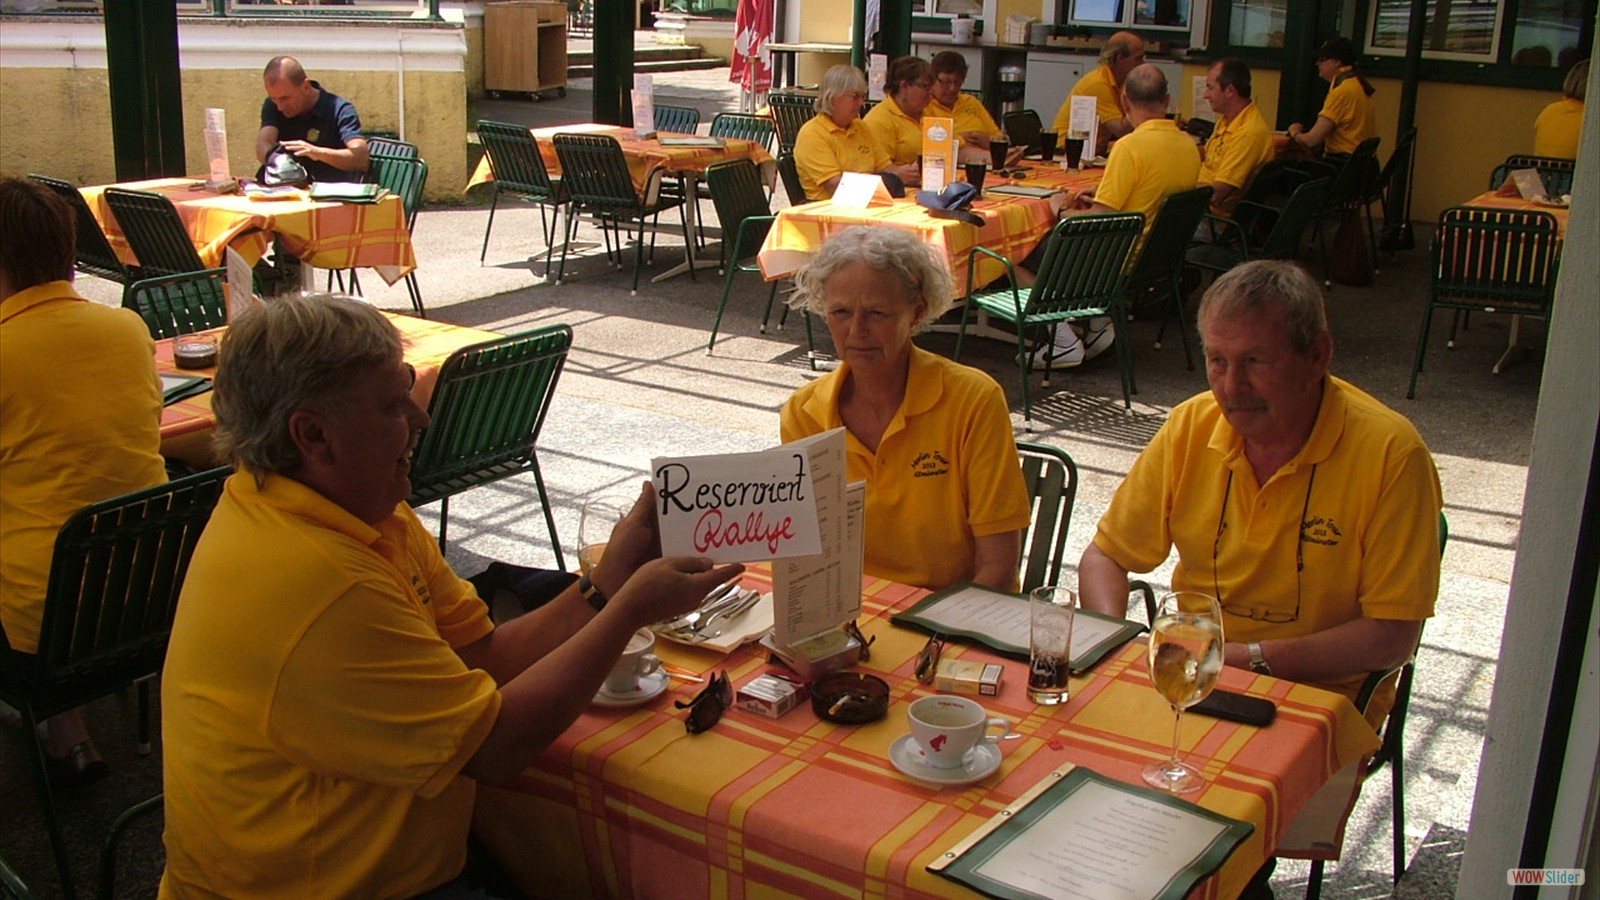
(931,438)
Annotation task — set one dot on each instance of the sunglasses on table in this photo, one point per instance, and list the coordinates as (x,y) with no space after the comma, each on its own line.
(707,707)
(928,659)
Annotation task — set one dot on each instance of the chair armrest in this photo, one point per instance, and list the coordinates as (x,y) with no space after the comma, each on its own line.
(1148,594)
(1011,270)
(744,226)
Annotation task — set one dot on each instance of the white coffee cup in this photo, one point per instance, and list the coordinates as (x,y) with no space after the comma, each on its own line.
(946,728)
(636,662)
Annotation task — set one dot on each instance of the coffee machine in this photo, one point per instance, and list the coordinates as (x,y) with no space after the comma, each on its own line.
(1012,77)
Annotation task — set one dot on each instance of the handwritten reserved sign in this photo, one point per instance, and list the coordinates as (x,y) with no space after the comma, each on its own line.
(738,507)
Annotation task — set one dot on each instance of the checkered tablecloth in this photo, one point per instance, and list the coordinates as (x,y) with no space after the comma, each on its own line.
(186,425)
(642,154)
(1496,200)
(626,804)
(327,235)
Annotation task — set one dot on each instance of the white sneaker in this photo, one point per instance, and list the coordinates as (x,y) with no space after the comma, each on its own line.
(1099,336)
(1060,357)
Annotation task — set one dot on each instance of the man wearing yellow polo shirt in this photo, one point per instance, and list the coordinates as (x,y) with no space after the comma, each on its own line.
(1123,52)
(1308,508)
(972,120)
(1241,142)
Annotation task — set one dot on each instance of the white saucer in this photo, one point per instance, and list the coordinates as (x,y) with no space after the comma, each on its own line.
(650,687)
(982,762)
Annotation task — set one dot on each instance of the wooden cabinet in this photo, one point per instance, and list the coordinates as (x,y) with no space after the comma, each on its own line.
(525,46)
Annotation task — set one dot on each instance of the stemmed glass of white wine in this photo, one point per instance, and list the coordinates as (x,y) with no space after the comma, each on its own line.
(1185,660)
(600,514)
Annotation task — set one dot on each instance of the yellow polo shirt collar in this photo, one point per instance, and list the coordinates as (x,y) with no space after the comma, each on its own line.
(1319,446)
(38,295)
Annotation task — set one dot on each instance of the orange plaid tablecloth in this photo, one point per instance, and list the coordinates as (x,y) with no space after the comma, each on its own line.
(1013,226)
(187,424)
(643,155)
(627,804)
(1496,200)
(325,234)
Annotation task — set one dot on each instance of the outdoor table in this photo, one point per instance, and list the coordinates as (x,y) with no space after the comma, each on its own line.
(325,234)
(1496,200)
(187,424)
(626,803)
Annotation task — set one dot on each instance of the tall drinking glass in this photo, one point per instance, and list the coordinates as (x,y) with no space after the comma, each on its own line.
(1185,660)
(1050,613)
(600,514)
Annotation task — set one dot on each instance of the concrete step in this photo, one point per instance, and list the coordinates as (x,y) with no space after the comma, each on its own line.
(672,65)
(655,53)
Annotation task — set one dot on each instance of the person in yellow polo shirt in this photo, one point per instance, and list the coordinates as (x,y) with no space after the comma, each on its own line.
(896,123)
(972,120)
(1308,508)
(1349,115)
(836,141)
(80,422)
(332,690)
(1241,143)
(1123,52)
(1555,132)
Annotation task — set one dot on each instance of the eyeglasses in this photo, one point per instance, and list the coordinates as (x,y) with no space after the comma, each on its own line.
(928,659)
(1263,614)
(707,707)
(924,84)
(950,81)
(854,630)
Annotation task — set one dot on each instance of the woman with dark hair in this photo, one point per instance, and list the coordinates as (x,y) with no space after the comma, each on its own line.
(1349,115)
(896,123)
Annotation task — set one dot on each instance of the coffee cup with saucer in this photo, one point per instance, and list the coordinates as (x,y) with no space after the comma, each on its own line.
(952,741)
(637,676)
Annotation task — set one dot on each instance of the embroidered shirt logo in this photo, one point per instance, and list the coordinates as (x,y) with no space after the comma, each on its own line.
(420,587)
(1320,530)
(312,135)
(929,463)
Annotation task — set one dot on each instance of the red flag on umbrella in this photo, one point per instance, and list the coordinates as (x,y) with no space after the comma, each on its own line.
(752,28)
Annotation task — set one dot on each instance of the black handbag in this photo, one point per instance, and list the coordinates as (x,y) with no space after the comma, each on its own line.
(281,168)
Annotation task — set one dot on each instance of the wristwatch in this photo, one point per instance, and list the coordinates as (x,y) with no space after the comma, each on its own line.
(1258,660)
(592,593)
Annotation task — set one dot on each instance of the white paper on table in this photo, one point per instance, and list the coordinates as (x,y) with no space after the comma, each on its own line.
(742,507)
(812,595)
(644,105)
(1084,122)
(1005,619)
(1102,842)
(241,286)
(216,119)
(1202,107)
(855,533)
(859,190)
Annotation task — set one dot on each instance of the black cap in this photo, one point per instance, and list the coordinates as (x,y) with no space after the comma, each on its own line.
(1339,48)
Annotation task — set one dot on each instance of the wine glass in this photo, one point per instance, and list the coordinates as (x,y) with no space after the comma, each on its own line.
(1185,659)
(600,514)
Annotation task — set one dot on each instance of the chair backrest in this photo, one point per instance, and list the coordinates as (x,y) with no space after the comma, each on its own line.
(1399,160)
(976,93)
(1358,172)
(405,177)
(1052,481)
(488,406)
(181,304)
(677,119)
(394,148)
(738,196)
(1556,171)
(1175,223)
(789,171)
(745,127)
(866,107)
(1283,240)
(595,173)
(1022,128)
(115,574)
(790,112)
(514,158)
(1085,264)
(1496,257)
(95,256)
(155,231)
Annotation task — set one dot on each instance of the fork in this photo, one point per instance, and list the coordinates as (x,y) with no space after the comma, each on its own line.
(739,607)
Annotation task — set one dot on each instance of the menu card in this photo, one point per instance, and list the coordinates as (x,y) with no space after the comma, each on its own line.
(1081,834)
(217,147)
(1000,621)
(814,594)
(644,105)
(740,507)
(859,190)
(1084,122)
(938,152)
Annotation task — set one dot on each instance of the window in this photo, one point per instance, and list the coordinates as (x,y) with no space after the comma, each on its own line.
(1547,32)
(1456,29)
(1142,14)
(1257,23)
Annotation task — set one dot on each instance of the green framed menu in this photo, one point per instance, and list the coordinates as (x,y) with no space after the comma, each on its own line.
(1022,190)
(1081,834)
(178,387)
(999,621)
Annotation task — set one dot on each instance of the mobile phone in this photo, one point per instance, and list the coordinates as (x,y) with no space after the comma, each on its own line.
(1236,708)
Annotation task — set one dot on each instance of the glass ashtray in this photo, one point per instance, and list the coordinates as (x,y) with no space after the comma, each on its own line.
(850,698)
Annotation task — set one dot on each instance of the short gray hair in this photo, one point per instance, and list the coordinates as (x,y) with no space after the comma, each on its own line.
(919,268)
(281,355)
(840,79)
(1146,86)
(1263,287)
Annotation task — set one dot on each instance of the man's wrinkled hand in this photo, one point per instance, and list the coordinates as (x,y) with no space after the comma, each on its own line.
(634,541)
(671,586)
(298,148)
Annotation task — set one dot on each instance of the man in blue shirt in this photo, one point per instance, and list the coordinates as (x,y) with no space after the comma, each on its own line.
(319,127)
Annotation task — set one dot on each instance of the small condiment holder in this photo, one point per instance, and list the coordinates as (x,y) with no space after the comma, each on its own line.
(817,656)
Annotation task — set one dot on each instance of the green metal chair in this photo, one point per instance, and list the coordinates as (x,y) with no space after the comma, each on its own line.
(107,888)
(487,409)
(1489,260)
(391,147)
(1052,480)
(405,176)
(519,171)
(115,575)
(790,112)
(1084,274)
(1556,171)
(677,119)
(155,231)
(1382,191)
(596,173)
(789,174)
(744,127)
(95,256)
(1279,240)
(1157,269)
(181,304)
(742,208)
(1022,129)
(1350,180)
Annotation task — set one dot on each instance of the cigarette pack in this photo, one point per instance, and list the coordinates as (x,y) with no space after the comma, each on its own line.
(962,676)
(770,696)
